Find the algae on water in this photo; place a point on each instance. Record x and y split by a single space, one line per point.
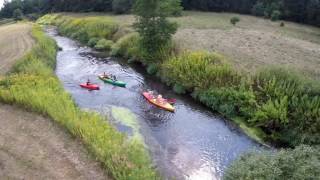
125 117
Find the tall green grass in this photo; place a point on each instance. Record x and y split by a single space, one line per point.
33 85
82 29
281 102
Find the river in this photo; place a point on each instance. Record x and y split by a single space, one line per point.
192 143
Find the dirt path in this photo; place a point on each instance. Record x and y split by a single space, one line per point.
33 147
15 40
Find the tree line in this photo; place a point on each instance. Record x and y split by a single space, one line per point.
303 11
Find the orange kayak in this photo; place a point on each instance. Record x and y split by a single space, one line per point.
165 105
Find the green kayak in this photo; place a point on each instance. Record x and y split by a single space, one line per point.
110 81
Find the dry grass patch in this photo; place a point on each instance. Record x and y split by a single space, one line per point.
15 41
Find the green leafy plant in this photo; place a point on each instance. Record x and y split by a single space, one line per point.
301 163
234 20
104 44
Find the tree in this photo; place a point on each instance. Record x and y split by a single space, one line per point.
153 27
173 7
17 14
234 20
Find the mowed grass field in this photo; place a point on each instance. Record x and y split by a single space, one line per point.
250 45
15 41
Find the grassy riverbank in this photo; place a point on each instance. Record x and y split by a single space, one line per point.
273 104
33 85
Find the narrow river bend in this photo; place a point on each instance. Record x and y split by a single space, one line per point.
191 143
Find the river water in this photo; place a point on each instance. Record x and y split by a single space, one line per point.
191 143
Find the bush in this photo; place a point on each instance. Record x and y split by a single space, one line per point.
234 20
229 101
152 69
179 89
121 6
290 105
298 164
17 14
92 41
282 24
103 44
127 46
199 70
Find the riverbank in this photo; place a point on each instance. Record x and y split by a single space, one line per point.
272 104
33 85
31 145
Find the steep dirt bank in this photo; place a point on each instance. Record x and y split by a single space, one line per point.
33 147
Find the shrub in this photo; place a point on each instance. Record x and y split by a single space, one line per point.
152 69
17 14
127 46
179 89
92 41
234 20
103 44
229 101
290 103
282 24
301 163
199 70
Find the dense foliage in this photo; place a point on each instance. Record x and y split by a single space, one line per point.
284 104
301 163
33 85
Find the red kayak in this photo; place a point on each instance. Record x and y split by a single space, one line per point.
90 86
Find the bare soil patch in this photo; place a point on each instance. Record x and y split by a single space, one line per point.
33 147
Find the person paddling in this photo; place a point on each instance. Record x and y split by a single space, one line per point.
88 82
160 100
105 75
